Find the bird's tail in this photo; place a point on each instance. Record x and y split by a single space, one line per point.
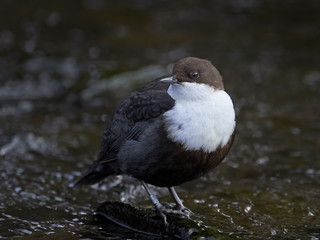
95 173
89 179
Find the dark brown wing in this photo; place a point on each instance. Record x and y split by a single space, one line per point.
130 120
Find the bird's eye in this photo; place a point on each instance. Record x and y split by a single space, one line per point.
194 75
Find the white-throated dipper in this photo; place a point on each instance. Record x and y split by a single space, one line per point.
171 130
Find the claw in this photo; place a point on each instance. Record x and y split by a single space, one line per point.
176 211
166 208
164 218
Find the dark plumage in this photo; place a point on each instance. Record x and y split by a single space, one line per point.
136 117
137 140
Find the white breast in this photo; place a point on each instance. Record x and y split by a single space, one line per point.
202 117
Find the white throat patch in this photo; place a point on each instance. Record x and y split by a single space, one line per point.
202 117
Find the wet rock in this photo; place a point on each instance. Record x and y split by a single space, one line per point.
144 223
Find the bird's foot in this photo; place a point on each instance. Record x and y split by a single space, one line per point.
172 210
175 210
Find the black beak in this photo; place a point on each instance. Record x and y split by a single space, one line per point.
170 80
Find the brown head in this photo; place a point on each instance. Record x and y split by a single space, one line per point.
192 69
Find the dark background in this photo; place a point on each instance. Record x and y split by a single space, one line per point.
66 65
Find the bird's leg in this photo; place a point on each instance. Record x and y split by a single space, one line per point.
177 200
155 202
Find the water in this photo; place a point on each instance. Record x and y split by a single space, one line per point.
65 67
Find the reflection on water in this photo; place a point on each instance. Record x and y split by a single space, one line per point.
64 68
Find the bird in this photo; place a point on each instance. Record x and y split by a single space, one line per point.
172 130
